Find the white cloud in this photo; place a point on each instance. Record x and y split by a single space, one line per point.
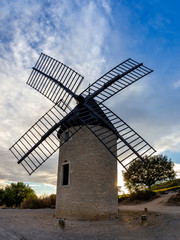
79 34
73 37
177 170
106 6
170 141
176 84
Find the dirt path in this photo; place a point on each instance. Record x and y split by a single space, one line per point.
157 205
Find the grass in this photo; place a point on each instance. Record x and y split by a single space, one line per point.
167 184
167 189
145 195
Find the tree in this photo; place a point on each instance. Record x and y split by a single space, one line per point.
1 196
143 175
16 193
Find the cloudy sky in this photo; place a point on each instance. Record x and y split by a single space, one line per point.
91 36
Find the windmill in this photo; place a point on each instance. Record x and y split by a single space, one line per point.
89 135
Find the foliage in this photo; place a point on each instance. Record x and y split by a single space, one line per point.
168 184
139 195
123 197
42 202
1 196
142 175
143 195
21 195
167 189
15 193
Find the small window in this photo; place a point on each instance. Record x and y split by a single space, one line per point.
65 174
67 136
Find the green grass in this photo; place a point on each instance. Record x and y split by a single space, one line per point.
147 195
167 184
123 196
167 189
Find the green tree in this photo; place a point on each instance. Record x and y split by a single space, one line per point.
1 196
16 193
143 175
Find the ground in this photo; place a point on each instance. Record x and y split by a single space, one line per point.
162 223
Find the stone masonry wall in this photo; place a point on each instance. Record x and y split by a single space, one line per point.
92 190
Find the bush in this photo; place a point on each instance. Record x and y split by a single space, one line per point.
14 194
123 197
1 196
42 202
137 196
143 195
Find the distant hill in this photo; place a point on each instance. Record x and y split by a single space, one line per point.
168 185
145 195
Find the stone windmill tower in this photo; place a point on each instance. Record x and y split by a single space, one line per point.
90 137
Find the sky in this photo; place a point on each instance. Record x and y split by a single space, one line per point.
90 36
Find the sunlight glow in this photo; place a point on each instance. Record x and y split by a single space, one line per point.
120 180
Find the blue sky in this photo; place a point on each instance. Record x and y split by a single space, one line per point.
91 37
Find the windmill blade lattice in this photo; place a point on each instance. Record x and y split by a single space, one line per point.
59 83
48 76
41 140
116 80
118 137
130 145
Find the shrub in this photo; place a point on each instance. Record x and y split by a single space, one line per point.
143 195
123 197
1 196
14 194
42 202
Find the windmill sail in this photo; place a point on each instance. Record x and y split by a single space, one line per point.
41 140
54 80
59 83
116 80
117 136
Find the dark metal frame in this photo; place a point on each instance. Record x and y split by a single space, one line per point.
54 80
41 140
59 83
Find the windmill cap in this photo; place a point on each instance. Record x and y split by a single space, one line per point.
88 118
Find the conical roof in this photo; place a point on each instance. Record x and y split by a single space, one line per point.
88 117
